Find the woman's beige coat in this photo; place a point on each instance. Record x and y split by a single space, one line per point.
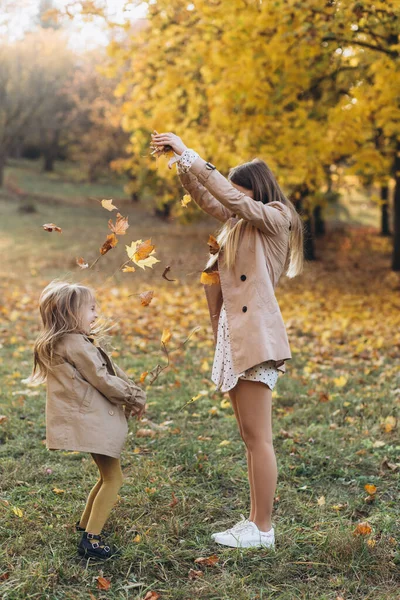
257 331
88 399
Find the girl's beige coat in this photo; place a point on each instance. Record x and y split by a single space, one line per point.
257 331
88 397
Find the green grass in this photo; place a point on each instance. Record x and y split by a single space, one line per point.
324 448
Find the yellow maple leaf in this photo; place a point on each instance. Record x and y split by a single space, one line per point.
340 381
134 252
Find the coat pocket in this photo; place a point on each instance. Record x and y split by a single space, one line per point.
265 299
86 401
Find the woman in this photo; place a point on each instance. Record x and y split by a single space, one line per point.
262 237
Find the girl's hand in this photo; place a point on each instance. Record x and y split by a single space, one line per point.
168 139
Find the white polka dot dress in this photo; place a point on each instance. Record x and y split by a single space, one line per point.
222 372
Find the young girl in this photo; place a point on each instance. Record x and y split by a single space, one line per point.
261 238
89 400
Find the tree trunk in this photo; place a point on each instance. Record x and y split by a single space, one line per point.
385 230
396 211
319 222
308 245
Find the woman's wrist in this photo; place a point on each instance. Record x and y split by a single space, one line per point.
186 159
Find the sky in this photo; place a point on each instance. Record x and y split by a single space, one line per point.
83 36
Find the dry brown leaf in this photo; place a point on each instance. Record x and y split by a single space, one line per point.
144 250
121 225
213 245
208 562
146 298
51 227
174 501
152 596
362 529
110 242
108 205
82 263
103 583
3 419
209 278
145 433
193 574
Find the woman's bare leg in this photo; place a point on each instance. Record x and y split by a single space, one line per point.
232 396
254 404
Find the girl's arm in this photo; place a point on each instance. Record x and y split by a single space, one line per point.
85 357
269 218
203 198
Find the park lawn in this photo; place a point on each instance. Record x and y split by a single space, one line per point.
335 426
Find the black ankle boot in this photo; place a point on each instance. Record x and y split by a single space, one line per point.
92 546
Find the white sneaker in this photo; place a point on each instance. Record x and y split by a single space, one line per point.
248 536
236 527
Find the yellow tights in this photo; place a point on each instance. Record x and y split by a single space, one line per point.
103 495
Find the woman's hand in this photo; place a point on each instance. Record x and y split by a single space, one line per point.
168 139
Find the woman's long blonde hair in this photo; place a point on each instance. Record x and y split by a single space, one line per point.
258 177
59 305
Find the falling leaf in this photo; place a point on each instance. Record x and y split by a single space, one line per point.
121 225
17 511
185 200
371 489
146 298
58 491
193 574
108 205
362 529
209 278
164 275
143 376
128 270
166 336
321 501
143 250
103 583
81 263
213 245
137 250
208 562
110 242
51 227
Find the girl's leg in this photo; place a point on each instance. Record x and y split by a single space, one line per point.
111 474
232 396
89 503
254 403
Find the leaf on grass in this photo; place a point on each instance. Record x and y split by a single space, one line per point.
209 278
193 574
224 443
137 538
103 583
58 491
340 381
213 245
321 501
108 205
152 596
3 419
362 529
51 227
174 501
166 336
185 200
128 270
121 225
371 489
17 511
208 562
145 433
389 424
110 242
81 263
146 298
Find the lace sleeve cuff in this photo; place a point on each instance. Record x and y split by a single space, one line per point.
186 159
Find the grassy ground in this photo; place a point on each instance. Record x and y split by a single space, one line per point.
335 426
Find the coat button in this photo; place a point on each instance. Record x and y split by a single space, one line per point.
111 412
243 277
244 309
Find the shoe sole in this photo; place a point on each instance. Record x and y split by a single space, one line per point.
249 544
87 555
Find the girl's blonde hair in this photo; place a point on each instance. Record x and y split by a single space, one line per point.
59 305
258 177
